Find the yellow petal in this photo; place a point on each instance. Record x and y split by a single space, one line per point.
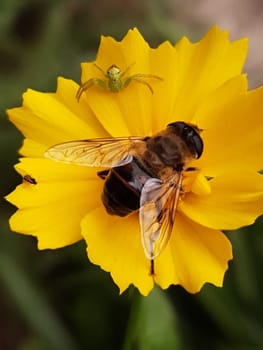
200 185
236 200
52 209
109 53
32 148
107 109
164 63
195 255
59 112
114 244
204 66
45 170
232 133
132 49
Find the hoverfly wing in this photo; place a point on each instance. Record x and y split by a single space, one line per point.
158 206
101 152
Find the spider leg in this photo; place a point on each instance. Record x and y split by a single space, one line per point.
141 75
101 70
89 83
127 69
139 79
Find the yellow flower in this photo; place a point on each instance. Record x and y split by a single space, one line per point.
202 84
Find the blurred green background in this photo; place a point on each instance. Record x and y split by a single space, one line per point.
57 299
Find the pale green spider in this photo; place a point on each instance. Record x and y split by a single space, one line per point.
116 80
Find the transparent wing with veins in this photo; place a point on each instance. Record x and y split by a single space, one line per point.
101 152
158 206
158 201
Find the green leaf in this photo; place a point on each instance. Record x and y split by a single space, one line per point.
152 324
34 306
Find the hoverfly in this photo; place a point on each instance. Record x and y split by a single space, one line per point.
116 80
143 173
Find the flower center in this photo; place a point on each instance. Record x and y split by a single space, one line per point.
196 182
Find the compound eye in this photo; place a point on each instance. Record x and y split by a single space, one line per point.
198 145
178 125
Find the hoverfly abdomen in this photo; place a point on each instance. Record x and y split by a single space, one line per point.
122 188
119 196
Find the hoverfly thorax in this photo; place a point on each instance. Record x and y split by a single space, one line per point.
173 147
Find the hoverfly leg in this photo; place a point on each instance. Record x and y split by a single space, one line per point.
152 271
191 168
103 174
